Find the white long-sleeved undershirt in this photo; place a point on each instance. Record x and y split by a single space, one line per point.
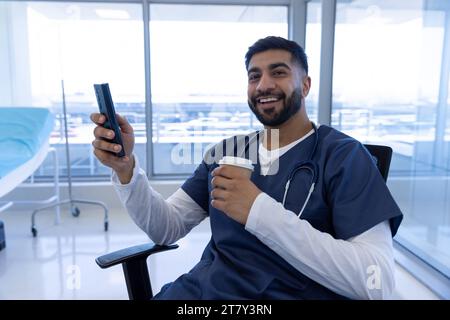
361 267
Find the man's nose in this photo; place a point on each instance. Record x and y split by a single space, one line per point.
265 83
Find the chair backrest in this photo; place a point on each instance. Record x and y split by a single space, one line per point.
383 156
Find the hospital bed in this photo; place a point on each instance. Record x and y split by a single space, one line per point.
24 145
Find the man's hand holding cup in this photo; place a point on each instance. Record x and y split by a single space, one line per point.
233 192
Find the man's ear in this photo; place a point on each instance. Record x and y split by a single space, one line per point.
306 85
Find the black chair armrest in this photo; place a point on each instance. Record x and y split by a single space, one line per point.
141 251
134 264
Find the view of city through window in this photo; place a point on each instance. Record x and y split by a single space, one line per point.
82 44
199 81
198 75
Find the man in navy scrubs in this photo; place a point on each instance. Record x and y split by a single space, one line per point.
269 241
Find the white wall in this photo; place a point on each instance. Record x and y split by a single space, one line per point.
15 80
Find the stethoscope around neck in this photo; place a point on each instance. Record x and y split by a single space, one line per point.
308 165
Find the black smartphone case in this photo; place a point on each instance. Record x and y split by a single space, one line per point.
106 107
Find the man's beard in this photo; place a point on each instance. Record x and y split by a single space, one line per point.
291 106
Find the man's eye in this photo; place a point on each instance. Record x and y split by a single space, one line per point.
278 73
253 77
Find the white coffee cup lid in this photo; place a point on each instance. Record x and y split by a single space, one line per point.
236 161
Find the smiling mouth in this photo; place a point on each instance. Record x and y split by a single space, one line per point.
267 99
267 104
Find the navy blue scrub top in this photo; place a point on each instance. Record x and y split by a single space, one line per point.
350 197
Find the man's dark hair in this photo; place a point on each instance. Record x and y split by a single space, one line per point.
271 42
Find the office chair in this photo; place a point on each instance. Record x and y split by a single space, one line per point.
134 259
382 156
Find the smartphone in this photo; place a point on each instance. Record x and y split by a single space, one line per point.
106 107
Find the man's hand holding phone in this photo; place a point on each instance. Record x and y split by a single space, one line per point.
105 150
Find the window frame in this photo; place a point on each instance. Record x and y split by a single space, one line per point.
296 14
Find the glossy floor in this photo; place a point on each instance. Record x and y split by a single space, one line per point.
60 262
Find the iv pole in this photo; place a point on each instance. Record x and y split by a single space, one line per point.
73 209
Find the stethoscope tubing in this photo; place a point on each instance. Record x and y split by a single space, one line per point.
307 165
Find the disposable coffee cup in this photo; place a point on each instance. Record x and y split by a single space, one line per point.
244 166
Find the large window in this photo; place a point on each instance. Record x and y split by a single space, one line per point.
199 81
198 78
42 43
390 86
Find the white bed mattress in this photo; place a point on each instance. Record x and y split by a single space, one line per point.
24 143
22 172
